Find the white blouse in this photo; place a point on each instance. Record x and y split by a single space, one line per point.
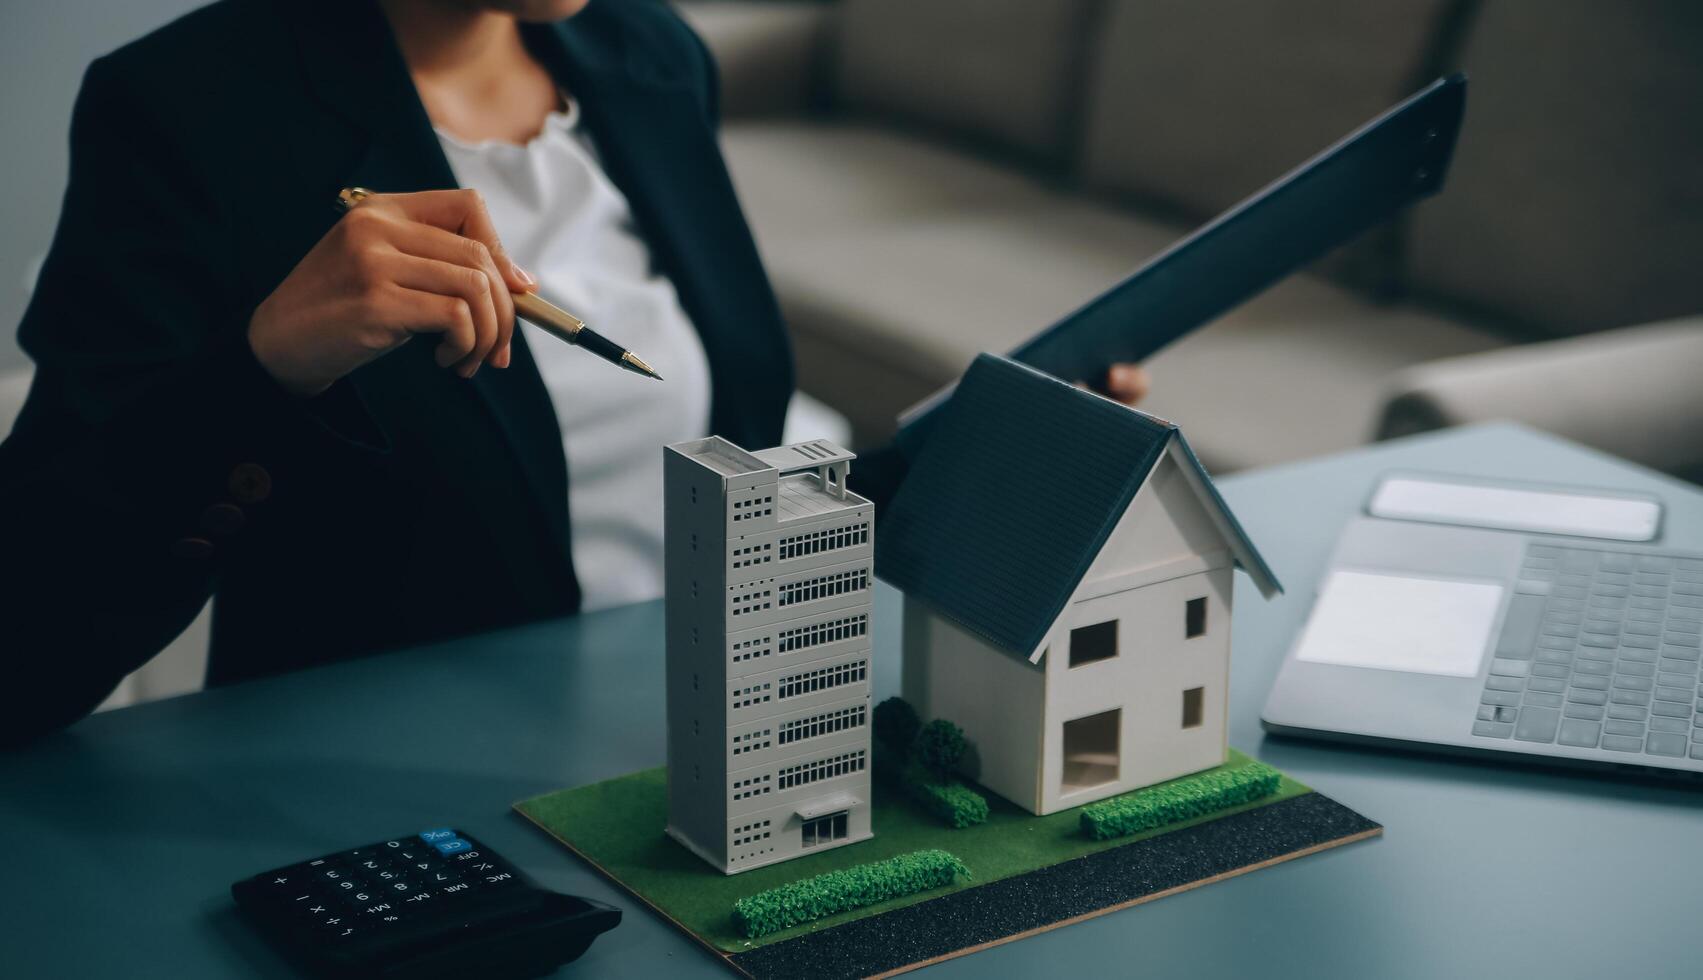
565 222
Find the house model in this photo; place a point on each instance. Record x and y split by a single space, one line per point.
769 574
1067 565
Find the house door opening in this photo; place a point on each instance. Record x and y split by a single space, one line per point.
1091 751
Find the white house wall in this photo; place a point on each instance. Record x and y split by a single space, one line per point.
1155 664
995 697
1164 551
1164 524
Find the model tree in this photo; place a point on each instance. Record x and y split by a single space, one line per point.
940 747
896 724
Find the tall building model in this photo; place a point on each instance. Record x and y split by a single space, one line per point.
770 573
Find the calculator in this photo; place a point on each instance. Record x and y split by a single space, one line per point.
437 903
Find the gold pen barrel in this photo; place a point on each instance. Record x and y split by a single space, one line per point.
549 316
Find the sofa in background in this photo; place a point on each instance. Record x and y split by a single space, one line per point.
932 178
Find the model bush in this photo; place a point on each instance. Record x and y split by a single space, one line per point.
918 759
939 746
896 724
1191 796
841 891
950 801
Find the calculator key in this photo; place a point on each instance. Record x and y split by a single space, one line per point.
452 846
440 834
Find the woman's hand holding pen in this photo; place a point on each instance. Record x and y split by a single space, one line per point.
395 266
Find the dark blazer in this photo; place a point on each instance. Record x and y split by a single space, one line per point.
155 462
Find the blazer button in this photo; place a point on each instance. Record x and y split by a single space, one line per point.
250 483
192 548
222 519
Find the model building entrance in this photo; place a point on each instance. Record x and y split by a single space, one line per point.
825 830
1091 751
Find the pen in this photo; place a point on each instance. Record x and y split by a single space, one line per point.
552 319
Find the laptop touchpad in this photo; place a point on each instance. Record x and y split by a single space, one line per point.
1393 622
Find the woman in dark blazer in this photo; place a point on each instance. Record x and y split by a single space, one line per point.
224 402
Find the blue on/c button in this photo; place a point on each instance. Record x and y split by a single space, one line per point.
433 836
448 847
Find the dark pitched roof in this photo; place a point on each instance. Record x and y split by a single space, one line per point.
1017 489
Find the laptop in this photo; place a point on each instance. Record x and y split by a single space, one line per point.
1506 620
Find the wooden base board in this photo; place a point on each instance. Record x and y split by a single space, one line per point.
1023 905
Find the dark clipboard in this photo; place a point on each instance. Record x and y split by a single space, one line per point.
1396 159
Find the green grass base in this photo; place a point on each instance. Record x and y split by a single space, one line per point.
617 825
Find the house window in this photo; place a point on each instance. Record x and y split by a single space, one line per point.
1194 700
825 830
1090 751
1091 643
1194 620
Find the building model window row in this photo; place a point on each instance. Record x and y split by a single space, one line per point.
821 679
824 586
818 542
814 772
816 634
823 724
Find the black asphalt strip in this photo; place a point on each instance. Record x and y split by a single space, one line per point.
990 912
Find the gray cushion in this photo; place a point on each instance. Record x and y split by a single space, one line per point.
1003 71
1576 199
1630 392
1201 103
887 302
804 177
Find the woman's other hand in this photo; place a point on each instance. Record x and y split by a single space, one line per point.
1127 383
394 266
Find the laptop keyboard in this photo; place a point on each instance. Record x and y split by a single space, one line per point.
1600 650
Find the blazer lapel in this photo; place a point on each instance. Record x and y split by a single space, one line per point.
353 63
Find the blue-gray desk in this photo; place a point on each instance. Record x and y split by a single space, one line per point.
122 835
